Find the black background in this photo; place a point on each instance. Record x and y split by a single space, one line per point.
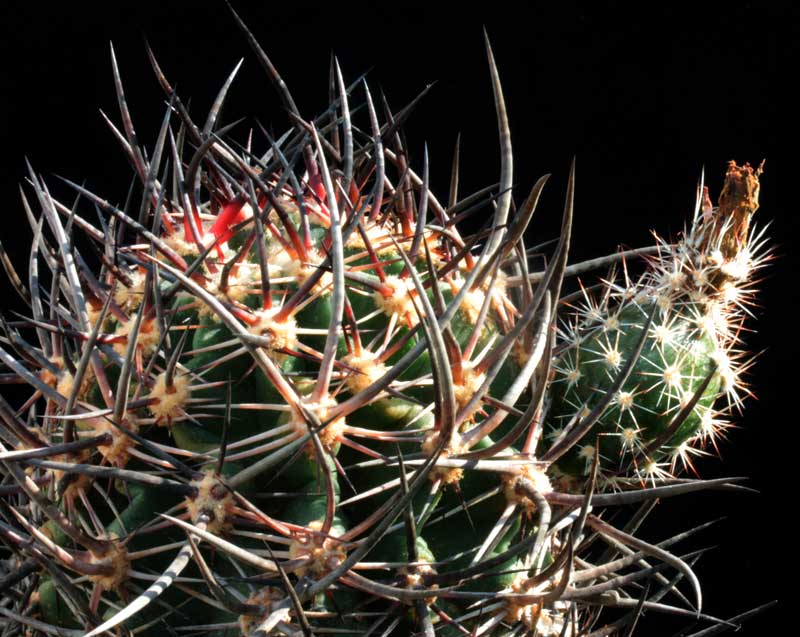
642 99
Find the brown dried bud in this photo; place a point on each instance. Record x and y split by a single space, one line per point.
738 201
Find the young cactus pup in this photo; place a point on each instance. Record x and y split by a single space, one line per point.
296 399
649 369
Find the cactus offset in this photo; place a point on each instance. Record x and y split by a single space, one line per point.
691 303
293 378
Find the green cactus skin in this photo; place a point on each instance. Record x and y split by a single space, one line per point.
309 405
675 361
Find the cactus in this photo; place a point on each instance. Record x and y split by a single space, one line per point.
649 371
294 399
